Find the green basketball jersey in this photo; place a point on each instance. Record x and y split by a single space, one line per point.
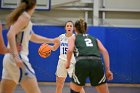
86 45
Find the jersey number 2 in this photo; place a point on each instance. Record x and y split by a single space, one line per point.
88 42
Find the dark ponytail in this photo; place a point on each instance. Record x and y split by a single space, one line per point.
30 4
25 5
26 1
81 26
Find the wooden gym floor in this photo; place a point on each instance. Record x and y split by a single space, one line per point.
114 88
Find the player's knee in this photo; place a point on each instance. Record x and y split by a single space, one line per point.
59 84
60 81
73 91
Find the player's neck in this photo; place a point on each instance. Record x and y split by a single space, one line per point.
30 12
68 34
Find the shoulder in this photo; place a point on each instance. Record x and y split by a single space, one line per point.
72 38
23 16
61 37
98 40
23 20
21 23
94 38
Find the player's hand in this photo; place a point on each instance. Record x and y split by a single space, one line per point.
67 65
19 47
18 61
109 75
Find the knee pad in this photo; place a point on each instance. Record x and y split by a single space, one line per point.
72 91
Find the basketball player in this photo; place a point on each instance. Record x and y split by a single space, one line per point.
16 66
88 60
61 72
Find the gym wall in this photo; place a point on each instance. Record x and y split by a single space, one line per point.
121 43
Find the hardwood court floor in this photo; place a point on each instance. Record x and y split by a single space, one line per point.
115 88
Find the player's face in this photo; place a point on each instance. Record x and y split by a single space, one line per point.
69 27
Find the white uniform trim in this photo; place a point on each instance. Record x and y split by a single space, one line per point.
102 79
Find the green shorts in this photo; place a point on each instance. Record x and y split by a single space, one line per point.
94 69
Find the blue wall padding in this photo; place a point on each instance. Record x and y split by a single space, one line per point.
122 44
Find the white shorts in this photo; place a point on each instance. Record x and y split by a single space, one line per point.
12 72
62 71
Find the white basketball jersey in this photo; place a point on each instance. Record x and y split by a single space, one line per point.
24 37
64 47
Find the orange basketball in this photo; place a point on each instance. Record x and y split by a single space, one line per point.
44 50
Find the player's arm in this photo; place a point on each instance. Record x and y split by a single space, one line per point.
3 48
40 39
14 30
71 45
56 44
105 54
17 27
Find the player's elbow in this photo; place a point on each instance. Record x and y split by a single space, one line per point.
9 35
104 52
3 50
69 51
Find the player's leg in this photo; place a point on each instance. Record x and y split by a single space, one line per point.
82 90
10 75
103 88
79 77
59 84
30 85
7 86
61 75
97 77
28 80
74 88
71 71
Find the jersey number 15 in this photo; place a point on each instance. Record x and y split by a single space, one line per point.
65 50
